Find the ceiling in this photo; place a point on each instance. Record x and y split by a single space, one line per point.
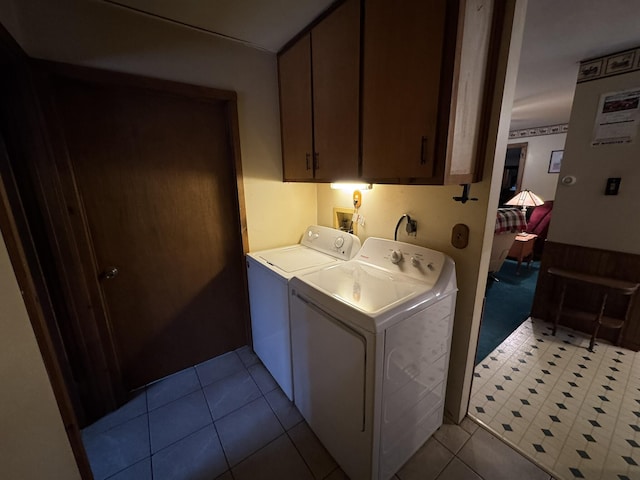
558 35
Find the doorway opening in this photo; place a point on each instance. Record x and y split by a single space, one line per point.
513 171
513 270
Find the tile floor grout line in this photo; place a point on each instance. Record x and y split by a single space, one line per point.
213 420
286 432
455 455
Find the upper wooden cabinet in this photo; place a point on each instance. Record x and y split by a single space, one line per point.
320 99
423 89
403 50
294 68
419 119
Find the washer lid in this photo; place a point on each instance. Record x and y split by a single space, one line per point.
296 258
365 287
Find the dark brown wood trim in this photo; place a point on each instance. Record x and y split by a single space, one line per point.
589 261
20 247
64 220
499 43
232 113
450 56
521 164
16 244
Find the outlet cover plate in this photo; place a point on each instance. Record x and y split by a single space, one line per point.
460 235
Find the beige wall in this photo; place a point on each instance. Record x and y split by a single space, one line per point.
102 35
536 176
33 442
582 214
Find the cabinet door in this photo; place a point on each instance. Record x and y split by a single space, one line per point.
294 69
335 47
403 44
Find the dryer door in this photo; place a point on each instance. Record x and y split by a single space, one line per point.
329 368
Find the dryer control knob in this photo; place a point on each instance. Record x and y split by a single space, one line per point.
396 256
415 262
338 242
431 267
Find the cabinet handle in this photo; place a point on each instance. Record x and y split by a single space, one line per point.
307 157
423 150
316 160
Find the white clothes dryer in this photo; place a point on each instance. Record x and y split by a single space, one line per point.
370 344
268 273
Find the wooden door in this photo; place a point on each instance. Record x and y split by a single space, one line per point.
335 54
403 44
513 171
155 177
296 114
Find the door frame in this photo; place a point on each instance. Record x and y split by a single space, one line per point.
31 281
68 224
523 158
56 193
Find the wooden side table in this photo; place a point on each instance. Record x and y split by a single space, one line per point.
606 286
522 248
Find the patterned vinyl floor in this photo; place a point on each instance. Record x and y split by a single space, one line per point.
575 413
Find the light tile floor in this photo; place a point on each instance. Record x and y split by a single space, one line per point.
574 412
227 419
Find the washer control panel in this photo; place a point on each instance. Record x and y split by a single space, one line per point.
334 242
413 260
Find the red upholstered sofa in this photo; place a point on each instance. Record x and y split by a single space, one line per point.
539 224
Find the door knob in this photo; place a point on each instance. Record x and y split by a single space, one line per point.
109 273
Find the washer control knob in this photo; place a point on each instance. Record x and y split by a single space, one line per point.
415 262
396 256
431 267
338 242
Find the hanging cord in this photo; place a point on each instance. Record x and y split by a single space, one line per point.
395 235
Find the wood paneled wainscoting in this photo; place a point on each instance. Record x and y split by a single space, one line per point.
592 261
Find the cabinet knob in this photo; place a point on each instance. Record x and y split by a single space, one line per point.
316 160
307 158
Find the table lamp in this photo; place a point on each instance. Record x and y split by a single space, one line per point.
524 199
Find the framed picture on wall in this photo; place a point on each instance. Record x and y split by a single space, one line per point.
556 161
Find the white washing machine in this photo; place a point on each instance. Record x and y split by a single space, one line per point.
268 273
370 343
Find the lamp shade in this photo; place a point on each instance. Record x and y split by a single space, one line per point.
526 198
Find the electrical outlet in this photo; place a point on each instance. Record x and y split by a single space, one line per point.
412 227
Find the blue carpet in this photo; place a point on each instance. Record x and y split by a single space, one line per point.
508 304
